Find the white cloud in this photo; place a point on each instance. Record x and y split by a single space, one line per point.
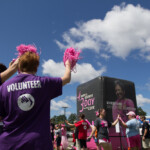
70 98
99 64
124 29
147 85
52 68
105 56
85 71
142 100
67 112
58 105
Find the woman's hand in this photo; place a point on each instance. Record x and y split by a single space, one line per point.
67 63
13 66
118 116
67 76
143 138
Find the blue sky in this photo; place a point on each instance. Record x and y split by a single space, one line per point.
114 37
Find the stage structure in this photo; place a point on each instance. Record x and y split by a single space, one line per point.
116 96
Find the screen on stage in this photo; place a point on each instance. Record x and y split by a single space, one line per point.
117 96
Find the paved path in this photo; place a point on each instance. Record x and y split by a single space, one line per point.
70 144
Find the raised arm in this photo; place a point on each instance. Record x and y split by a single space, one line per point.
72 125
67 76
10 71
123 123
116 121
93 131
145 132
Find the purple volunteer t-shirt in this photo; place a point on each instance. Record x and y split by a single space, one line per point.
0 80
25 108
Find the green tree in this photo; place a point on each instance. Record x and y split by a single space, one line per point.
141 112
58 119
72 118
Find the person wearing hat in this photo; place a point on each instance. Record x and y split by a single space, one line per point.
132 131
145 133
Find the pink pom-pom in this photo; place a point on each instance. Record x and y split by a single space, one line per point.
97 113
138 117
73 56
26 48
88 122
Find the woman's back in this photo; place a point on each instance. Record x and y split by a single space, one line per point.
25 108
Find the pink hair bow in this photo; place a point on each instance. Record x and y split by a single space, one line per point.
97 113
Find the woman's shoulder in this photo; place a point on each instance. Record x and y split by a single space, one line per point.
49 79
129 101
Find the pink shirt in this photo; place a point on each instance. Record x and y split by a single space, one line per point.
122 107
63 132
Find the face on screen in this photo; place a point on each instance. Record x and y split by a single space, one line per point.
119 92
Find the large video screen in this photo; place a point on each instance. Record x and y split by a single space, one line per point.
119 98
116 96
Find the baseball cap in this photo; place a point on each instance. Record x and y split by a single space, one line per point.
131 113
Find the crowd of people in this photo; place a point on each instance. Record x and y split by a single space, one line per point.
25 112
59 136
100 132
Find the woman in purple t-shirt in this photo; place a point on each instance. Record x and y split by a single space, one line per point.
25 106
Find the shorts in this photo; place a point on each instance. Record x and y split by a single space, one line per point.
104 140
134 141
82 143
58 141
96 140
146 143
